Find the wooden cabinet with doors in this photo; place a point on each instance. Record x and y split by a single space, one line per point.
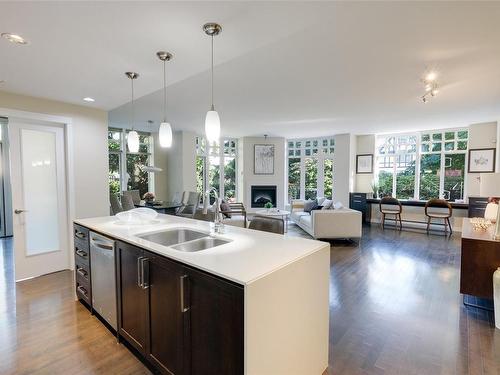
181 320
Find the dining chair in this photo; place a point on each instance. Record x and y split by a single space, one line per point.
391 206
439 209
127 202
268 224
190 202
116 206
134 194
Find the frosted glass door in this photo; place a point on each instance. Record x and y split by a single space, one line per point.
38 179
40 191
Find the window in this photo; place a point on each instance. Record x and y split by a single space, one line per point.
437 158
125 168
216 167
310 168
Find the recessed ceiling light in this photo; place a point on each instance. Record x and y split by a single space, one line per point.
89 99
431 76
14 38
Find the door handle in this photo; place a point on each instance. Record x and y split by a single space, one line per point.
183 305
17 211
145 272
139 272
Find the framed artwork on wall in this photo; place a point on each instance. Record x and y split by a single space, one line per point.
364 163
482 160
263 159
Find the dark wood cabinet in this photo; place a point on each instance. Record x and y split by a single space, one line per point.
132 298
181 320
477 206
82 264
358 202
215 335
166 349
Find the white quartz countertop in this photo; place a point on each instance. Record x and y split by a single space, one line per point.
249 256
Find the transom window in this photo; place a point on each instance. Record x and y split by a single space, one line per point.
209 174
310 168
437 158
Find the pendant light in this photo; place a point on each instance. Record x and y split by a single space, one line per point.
212 120
133 136
165 132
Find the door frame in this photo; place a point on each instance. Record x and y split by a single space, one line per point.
66 123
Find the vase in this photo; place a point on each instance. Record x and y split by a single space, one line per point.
496 296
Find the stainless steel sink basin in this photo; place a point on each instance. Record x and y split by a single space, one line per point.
171 237
200 244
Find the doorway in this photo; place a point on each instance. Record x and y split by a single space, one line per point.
38 192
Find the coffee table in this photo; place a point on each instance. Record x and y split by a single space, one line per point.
275 213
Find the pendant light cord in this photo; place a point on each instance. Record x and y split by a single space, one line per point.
133 107
164 92
212 72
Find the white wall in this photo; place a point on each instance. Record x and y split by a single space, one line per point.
343 167
483 135
248 177
181 159
90 127
365 145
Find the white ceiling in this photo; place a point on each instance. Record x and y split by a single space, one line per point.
289 69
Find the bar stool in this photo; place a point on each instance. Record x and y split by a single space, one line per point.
439 209
391 206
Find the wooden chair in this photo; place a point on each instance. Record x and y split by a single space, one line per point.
391 206
439 209
268 224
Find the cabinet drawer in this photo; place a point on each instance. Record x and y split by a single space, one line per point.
83 291
80 232
478 202
82 272
82 255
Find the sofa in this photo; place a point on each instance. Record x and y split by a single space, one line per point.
327 223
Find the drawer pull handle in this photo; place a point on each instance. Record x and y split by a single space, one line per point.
80 234
82 290
81 253
81 271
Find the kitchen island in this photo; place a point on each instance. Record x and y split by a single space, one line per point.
250 302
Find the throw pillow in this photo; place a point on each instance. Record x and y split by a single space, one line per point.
225 207
320 200
338 206
309 205
327 204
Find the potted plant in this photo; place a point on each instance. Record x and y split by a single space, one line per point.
268 206
149 197
375 188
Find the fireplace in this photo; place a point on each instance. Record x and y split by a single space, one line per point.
262 195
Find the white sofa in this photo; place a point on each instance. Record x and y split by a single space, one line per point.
327 224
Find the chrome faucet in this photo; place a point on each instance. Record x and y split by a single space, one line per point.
218 224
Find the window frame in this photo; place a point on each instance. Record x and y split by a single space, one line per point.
418 157
204 150
303 148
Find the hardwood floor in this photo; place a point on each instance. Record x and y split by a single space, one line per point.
394 308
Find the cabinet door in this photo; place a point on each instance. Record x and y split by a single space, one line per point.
165 317
214 324
132 297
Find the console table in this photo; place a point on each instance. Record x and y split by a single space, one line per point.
480 258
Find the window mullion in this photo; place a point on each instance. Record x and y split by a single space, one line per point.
417 169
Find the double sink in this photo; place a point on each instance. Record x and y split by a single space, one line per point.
183 239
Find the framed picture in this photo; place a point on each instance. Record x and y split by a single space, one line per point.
364 163
263 159
482 160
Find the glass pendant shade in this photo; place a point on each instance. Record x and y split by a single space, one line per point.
212 126
133 141
165 134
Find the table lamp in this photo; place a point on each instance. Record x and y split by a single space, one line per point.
490 187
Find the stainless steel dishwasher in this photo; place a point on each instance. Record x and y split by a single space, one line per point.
102 269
